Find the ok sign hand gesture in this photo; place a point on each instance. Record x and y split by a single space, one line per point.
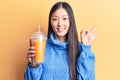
87 37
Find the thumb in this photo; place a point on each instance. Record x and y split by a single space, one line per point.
31 42
83 32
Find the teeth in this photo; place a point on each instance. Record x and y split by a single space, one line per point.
60 29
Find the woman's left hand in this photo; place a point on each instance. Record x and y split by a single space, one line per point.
87 37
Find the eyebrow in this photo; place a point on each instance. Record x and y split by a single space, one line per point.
62 16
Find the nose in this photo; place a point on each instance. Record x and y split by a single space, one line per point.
60 22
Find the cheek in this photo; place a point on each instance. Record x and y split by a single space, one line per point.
67 24
53 24
67 29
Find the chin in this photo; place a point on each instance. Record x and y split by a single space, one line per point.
61 34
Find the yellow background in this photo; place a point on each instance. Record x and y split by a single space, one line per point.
19 20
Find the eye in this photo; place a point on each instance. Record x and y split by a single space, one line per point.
65 18
54 19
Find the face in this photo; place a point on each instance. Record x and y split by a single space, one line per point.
60 22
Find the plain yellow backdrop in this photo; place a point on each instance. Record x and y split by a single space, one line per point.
19 20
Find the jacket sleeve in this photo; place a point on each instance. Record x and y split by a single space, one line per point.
85 63
33 73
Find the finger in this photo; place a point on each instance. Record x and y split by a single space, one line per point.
83 32
29 55
31 49
31 52
33 60
29 60
93 38
90 42
94 33
93 29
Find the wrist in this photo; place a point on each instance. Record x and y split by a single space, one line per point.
85 47
35 65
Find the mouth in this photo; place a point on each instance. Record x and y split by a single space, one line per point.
60 29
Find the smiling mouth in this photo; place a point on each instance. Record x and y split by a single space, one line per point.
60 29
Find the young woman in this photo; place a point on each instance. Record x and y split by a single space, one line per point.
65 58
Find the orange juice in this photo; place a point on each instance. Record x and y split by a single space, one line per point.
40 50
39 42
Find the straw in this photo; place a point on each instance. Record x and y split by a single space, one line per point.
39 28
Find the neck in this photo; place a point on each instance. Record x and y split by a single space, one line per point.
60 38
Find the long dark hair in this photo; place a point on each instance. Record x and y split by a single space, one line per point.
71 37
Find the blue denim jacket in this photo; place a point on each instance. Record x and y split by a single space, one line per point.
55 66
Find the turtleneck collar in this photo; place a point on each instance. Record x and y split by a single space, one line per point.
56 43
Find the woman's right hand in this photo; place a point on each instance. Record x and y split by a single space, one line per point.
31 56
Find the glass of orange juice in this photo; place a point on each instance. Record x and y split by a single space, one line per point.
39 42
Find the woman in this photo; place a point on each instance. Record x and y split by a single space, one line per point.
65 57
